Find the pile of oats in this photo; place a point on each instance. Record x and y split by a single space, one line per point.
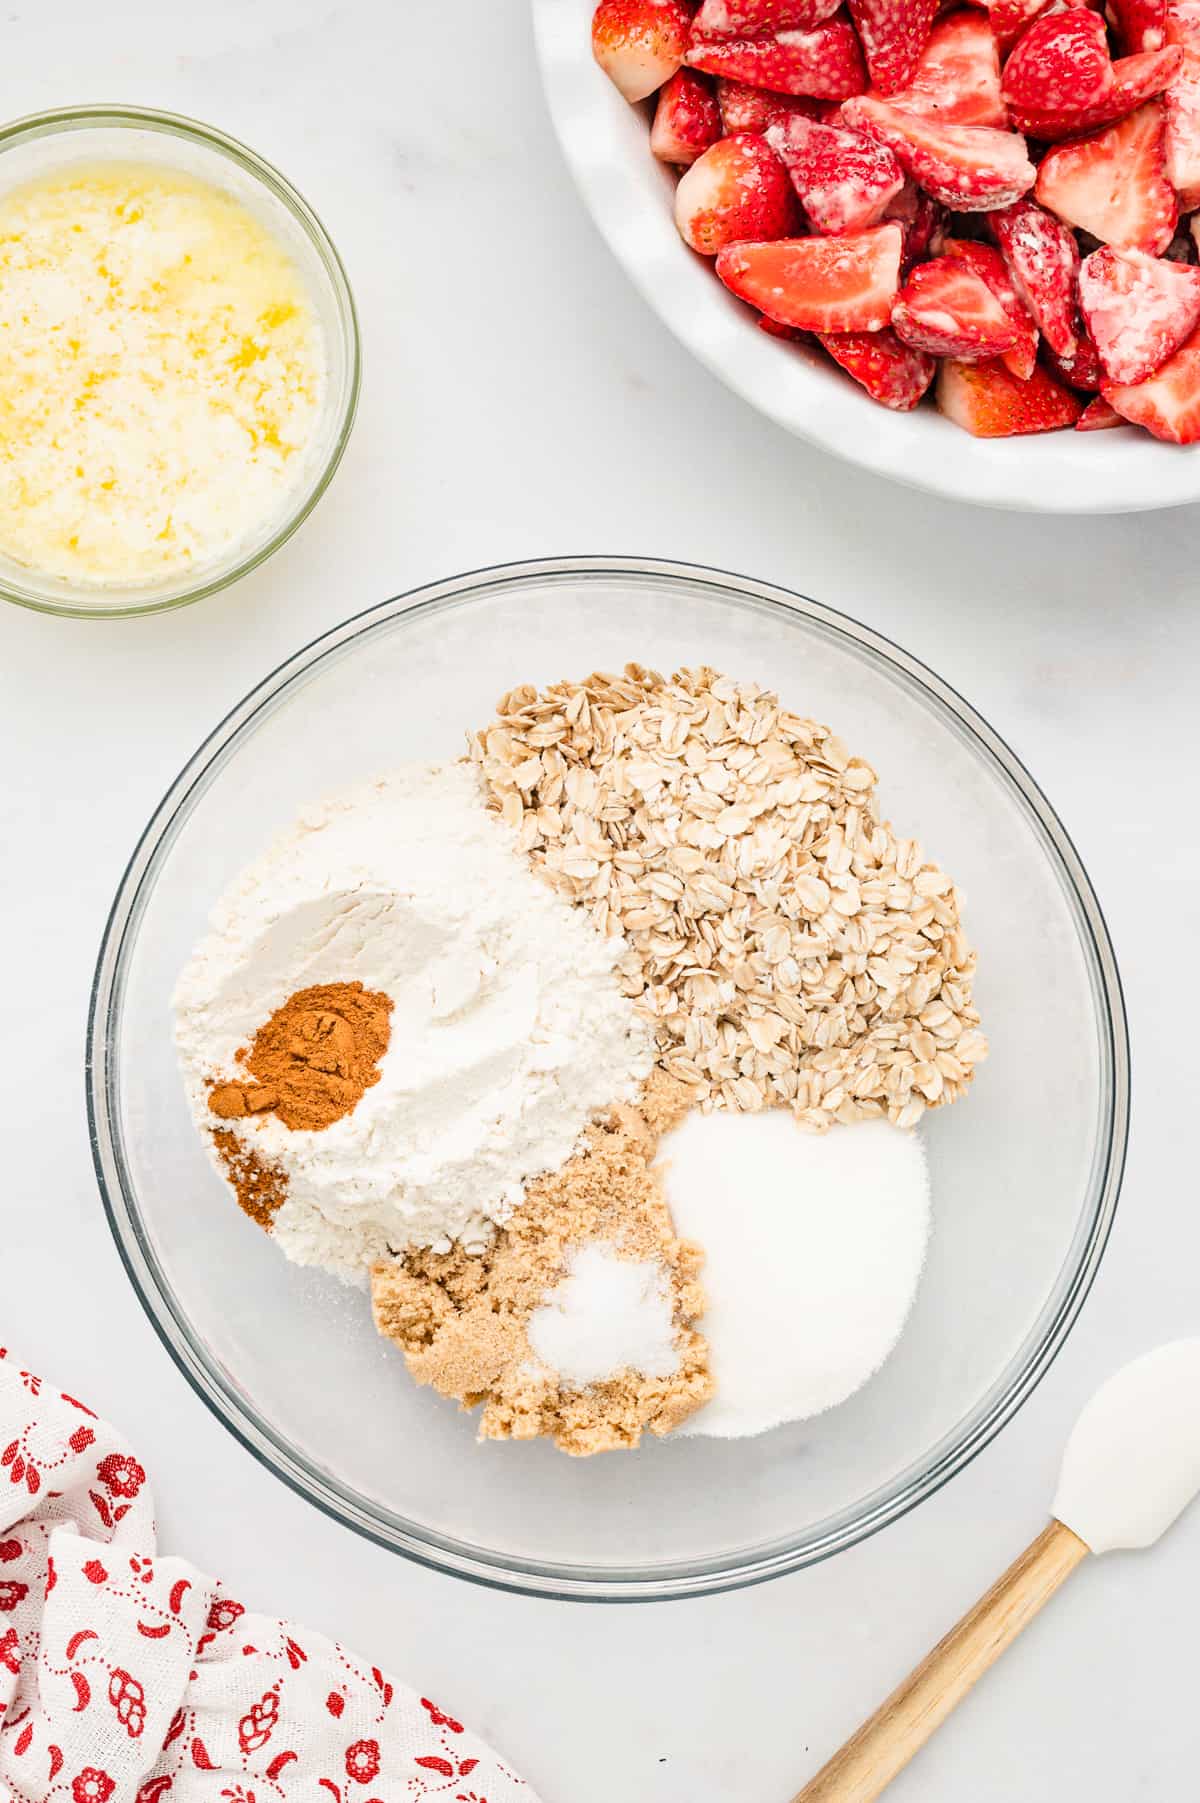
788 948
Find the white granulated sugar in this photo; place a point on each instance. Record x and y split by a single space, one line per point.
609 1314
814 1245
508 1031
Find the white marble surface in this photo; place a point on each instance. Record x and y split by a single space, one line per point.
519 401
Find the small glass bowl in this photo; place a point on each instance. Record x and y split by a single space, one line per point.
46 142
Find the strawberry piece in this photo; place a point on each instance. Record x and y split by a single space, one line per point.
753 109
819 284
825 62
1009 18
1168 404
1081 367
1043 260
1060 67
1139 310
687 119
1140 24
969 168
1113 184
947 310
1182 103
923 221
988 402
958 77
990 267
892 373
845 180
759 18
640 43
1097 416
737 190
1136 79
893 33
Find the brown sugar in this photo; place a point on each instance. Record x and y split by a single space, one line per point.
312 1060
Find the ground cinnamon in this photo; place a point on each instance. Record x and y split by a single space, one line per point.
312 1060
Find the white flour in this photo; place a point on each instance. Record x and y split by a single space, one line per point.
509 1031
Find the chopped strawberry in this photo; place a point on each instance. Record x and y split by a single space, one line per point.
923 221
1113 184
987 401
893 33
1182 102
819 284
845 180
969 168
1168 404
687 119
1097 416
1081 368
947 310
760 18
892 373
990 267
640 43
1043 260
825 62
752 109
1059 69
1136 79
737 190
1140 24
1009 18
1139 310
958 77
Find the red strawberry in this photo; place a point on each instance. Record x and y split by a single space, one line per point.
1140 24
893 33
958 77
1168 404
753 109
819 284
760 18
892 373
1097 416
1139 310
987 401
845 181
1081 368
1061 66
969 168
825 62
923 221
1113 184
1136 79
1043 260
947 310
640 43
687 119
990 267
1182 101
737 190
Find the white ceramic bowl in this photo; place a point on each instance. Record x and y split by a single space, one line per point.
630 196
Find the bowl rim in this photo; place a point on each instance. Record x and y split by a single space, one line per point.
57 121
907 1488
1064 472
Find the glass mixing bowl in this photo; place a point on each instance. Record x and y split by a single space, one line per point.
1025 1172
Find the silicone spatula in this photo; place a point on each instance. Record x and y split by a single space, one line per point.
1131 1467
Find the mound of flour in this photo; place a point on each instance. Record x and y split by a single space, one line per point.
509 1029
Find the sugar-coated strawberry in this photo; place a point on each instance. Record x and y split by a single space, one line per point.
1113 184
1043 260
744 108
1168 403
987 263
845 180
1060 68
893 33
825 62
819 284
946 310
737 190
759 18
1098 416
923 221
687 119
640 43
1136 79
1009 18
1182 103
892 373
1080 368
958 77
1140 24
986 400
969 168
1139 310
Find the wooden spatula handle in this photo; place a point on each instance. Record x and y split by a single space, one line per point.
884 1745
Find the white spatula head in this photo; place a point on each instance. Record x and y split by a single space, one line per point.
1132 1464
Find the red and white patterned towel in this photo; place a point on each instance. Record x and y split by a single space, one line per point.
127 1676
